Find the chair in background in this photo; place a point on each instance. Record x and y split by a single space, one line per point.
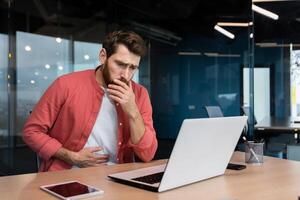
276 149
214 111
293 152
246 111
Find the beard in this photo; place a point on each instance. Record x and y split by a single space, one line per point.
106 74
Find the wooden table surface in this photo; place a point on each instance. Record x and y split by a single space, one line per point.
275 179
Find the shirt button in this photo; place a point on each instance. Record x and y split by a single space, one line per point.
120 124
119 143
117 104
118 159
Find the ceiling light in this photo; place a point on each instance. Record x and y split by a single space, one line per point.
36 73
60 68
222 55
183 53
27 48
251 35
264 12
266 44
274 44
269 0
47 66
86 57
223 31
32 81
58 40
237 24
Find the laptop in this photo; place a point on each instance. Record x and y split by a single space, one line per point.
202 150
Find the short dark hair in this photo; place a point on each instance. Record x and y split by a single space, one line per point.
130 39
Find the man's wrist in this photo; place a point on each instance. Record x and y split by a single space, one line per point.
72 156
66 155
134 114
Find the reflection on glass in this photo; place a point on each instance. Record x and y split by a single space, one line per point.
3 90
186 83
295 82
86 55
37 69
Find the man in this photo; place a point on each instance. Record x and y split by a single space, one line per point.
92 111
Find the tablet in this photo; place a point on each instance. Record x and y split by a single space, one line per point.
71 190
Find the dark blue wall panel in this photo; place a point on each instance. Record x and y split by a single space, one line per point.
182 85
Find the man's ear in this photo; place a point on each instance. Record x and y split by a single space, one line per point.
102 56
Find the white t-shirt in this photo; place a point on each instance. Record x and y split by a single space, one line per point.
104 132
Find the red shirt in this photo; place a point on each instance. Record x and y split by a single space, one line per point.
65 116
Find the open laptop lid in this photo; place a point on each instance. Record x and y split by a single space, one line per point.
202 150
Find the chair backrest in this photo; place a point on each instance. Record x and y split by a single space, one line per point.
246 110
214 111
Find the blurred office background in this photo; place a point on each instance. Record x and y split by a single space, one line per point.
190 64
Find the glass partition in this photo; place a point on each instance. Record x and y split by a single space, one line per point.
186 81
276 67
3 90
86 55
40 60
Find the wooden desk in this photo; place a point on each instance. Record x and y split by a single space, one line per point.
275 179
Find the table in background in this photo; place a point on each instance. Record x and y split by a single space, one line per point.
273 125
275 179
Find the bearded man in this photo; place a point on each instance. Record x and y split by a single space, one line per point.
96 116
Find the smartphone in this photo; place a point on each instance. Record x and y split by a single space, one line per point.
235 166
71 190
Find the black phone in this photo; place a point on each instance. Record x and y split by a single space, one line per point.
236 166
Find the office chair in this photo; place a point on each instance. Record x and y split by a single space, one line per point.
214 111
246 111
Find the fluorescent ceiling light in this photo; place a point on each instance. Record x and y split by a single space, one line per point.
222 55
274 44
264 12
237 24
223 31
184 53
270 0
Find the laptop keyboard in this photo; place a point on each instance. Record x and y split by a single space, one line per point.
151 179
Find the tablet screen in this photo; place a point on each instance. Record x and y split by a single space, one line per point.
71 189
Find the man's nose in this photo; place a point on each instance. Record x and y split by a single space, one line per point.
126 73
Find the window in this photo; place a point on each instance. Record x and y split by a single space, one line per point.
3 90
86 55
40 60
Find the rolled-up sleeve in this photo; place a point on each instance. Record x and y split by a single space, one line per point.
36 128
147 145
